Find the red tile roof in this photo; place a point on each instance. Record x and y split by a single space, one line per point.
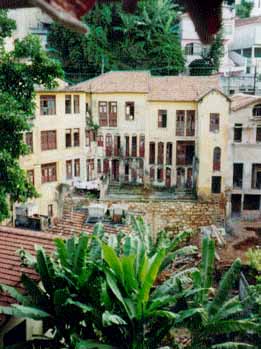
241 100
246 21
164 88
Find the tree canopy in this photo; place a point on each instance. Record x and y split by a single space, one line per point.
243 9
147 40
20 70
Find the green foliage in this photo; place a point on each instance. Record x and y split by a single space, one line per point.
20 70
243 9
147 40
254 257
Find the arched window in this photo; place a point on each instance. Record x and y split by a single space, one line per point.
216 159
257 110
108 144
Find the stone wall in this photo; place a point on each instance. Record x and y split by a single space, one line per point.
174 215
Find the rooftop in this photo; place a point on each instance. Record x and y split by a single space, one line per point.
164 88
241 100
246 21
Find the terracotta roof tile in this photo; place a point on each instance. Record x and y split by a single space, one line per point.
241 100
167 88
246 21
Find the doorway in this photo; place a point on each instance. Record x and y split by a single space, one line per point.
115 168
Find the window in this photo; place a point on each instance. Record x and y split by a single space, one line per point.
247 52
160 153
142 146
134 146
113 114
100 140
214 123
69 169
256 176
50 210
258 134
47 105
76 104
48 140
257 52
190 124
180 122
68 104
127 146
129 110
49 173
68 138
152 153
257 110
216 159
251 202
185 152
162 118
169 154
160 175
126 171
117 145
103 114
29 141
76 137
152 174
30 176
77 168
216 185
99 168
189 49
87 138
238 128
238 175
106 166
108 145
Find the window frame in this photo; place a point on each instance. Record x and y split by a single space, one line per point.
48 99
49 178
128 115
162 118
48 140
214 122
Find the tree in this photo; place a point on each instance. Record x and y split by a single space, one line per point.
243 10
146 40
210 62
20 70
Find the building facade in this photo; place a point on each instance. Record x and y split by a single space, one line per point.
244 155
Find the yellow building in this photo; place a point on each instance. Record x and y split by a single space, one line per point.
161 131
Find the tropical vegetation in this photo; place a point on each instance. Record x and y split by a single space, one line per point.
104 291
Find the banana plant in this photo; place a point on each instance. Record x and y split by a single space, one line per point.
212 315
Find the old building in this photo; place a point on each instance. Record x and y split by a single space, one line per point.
244 154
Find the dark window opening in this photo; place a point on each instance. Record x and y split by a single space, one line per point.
169 154
134 146
258 134
117 145
238 129
160 175
76 137
185 152
214 122
129 110
106 166
15 335
127 146
257 110
108 145
68 138
251 202
152 153
68 104
152 174
238 175
236 204
142 146
217 159
47 105
99 168
180 123
162 118
160 153
190 124
216 185
256 176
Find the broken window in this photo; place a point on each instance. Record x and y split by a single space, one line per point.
190 124
48 105
106 166
160 174
68 104
134 146
216 185
238 175
129 110
77 168
76 104
76 137
48 140
238 128
256 176
113 114
251 202
127 145
169 154
29 141
49 173
142 146
180 123
258 134
152 174
214 122
152 153
100 140
162 118
117 145
69 169
185 152
257 110
108 145
216 159
160 153
103 114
